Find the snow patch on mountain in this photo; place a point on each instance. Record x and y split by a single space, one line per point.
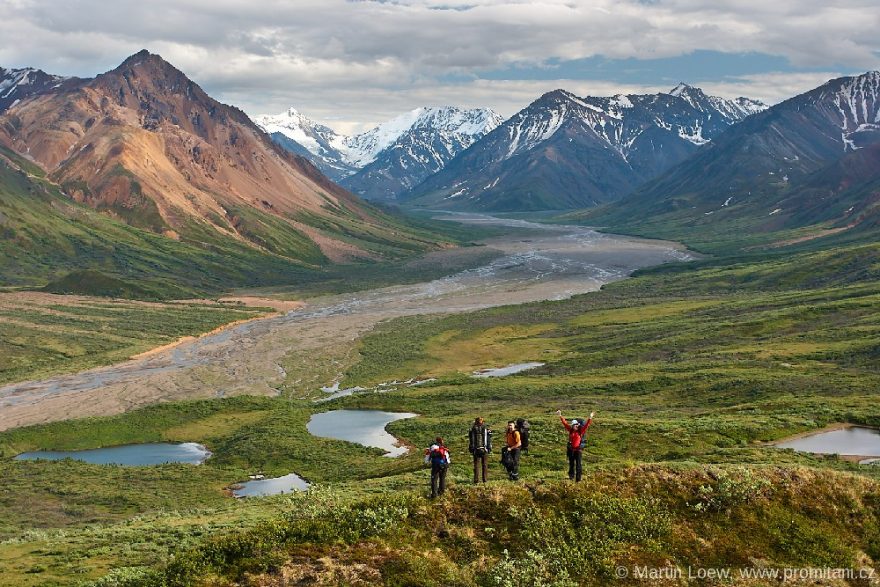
17 84
456 125
857 103
611 119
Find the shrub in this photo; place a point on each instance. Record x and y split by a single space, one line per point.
741 487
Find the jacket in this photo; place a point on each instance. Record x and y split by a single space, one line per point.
575 436
514 441
438 455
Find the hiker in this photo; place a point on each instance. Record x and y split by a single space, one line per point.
523 427
480 445
576 440
510 456
438 457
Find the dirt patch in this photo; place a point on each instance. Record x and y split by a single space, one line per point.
255 302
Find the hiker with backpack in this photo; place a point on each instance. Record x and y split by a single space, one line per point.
437 455
480 445
510 453
577 433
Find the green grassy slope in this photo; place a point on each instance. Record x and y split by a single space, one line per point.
42 337
691 369
44 236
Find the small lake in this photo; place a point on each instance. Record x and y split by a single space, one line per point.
366 427
852 441
274 486
505 371
129 455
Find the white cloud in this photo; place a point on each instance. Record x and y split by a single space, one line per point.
361 61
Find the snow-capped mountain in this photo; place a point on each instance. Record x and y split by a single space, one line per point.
810 159
731 110
853 104
390 158
426 144
563 151
320 144
18 84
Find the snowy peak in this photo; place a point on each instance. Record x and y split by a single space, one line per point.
853 104
298 127
619 120
732 110
402 152
471 122
389 158
680 89
463 125
564 151
18 84
362 149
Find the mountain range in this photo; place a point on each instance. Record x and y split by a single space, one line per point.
813 159
564 152
149 148
139 172
389 159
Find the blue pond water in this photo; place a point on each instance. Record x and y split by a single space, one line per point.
274 486
130 455
854 441
365 427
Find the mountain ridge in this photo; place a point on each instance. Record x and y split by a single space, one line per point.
563 151
147 146
393 156
810 160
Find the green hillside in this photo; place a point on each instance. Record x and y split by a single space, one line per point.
44 236
691 369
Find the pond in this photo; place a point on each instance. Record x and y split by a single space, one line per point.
366 427
853 441
129 455
508 370
277 485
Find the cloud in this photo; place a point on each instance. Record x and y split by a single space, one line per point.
357 60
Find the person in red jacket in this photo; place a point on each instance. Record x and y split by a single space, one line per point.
576 433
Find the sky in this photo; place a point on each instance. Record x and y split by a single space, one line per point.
353 63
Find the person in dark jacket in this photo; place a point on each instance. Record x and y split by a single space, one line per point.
438 456
480 445
576 434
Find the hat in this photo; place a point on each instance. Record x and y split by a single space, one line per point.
575 422
434 447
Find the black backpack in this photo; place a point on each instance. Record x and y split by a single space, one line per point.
479 439
523 427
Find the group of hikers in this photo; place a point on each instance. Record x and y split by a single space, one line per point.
516 442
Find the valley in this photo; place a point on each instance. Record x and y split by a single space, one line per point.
198 312
691 367
267 357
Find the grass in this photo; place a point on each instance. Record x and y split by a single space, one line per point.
45 237
43 335
690 368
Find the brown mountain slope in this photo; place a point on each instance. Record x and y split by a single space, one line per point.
149 146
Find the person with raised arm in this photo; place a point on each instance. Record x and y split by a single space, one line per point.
577 433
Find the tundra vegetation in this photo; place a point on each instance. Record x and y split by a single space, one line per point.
691 368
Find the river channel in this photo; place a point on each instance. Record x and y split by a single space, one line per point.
547 262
